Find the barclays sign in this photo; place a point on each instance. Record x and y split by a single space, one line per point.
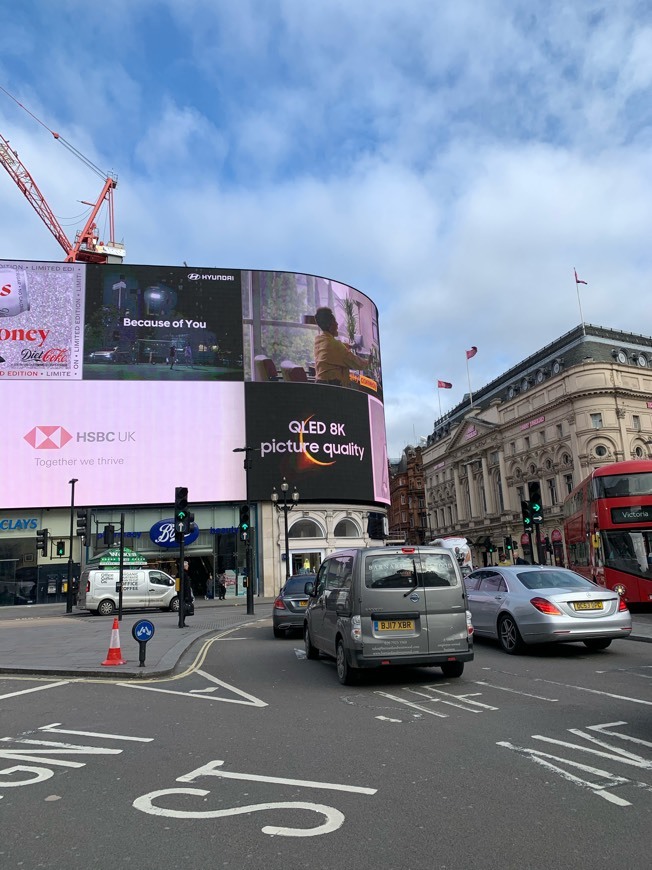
162 534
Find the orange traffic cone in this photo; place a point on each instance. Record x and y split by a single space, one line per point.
114 655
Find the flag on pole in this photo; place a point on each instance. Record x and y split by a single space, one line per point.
471 353
578 280
444 385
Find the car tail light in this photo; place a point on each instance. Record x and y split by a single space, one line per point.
469 624
88 586
279 604
356 628
622 605
545 606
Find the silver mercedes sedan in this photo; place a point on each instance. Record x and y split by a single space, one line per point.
528 604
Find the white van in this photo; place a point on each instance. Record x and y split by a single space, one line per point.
142 587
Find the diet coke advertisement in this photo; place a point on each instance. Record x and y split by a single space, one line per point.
41 320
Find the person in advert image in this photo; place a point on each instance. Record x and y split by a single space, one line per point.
172 355
333 360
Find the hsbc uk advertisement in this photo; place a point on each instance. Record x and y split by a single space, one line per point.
134 379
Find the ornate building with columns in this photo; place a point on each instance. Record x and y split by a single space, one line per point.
580 402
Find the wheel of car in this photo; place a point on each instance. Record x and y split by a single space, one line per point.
174 605
509 635
345 673
106 607
598 643
278 632
452 669
311 651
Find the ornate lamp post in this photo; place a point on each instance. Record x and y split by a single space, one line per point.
286 507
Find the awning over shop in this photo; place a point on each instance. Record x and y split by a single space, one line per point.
111 559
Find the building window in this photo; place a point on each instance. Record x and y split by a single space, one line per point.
601 450
403 498
305 529
512 447
568 482
520 493
636 422
552 490
526 441
596 421
450 515
346 529
638 453
499 493
560 430
493 457
403 516
542 436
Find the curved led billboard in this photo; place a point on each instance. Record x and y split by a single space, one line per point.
132 380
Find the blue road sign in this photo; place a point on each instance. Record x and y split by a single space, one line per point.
143 631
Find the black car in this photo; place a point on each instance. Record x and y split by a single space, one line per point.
290 604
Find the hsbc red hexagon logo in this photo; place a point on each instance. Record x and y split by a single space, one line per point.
47 437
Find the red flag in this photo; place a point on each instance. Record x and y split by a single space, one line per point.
577 280
471 353
444 385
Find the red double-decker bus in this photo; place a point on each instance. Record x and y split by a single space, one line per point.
608 528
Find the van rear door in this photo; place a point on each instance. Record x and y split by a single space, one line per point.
445 602
393 608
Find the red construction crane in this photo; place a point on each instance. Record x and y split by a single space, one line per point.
87 247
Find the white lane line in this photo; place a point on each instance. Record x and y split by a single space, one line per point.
209 770
595 692
602 729
616 755
419 707
35 689
464 699
515 691
53 729
244 697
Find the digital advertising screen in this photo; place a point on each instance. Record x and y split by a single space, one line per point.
317 437
134 379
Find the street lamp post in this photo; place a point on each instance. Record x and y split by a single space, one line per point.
72 523
286 507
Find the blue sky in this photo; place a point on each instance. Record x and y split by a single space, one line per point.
452 159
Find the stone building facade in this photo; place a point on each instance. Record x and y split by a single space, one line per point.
580 402
407 517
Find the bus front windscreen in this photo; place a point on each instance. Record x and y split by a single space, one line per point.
623 485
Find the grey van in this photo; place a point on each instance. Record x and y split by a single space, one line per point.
387 606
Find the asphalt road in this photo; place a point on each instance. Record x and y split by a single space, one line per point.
252 756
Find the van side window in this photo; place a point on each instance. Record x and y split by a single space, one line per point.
159 578
320 585
340 573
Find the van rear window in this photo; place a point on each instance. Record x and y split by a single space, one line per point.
404 570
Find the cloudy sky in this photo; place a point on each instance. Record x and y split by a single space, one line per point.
452 159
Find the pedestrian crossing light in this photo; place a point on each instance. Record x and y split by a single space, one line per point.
61 548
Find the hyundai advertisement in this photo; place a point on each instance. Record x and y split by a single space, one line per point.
135 379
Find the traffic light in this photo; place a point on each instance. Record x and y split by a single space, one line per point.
188 523
509 546
42 541
61 548
109 535
535 501
245 523
180 512
526 509
376 526
84 524
490 547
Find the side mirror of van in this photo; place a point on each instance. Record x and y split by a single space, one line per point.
309 588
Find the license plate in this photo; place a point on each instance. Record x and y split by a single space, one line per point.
588 605
394 625
303 603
